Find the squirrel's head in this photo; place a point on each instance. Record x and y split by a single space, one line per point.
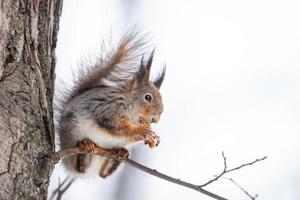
146 101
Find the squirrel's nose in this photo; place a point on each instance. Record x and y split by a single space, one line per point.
155 119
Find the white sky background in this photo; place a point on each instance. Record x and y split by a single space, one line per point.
232 84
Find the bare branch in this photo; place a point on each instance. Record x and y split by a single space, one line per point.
225 171
112 154
245 191
108 153
76 150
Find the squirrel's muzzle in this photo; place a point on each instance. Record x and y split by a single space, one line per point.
155 119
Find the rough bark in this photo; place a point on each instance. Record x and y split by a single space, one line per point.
28 30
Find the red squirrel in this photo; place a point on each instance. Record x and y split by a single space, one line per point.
111 106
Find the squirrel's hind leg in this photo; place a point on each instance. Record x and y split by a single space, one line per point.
81 162
108 167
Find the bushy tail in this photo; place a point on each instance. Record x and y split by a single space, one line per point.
115 66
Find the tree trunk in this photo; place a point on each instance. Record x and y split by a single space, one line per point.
28 30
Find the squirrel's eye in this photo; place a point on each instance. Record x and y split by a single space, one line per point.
148 98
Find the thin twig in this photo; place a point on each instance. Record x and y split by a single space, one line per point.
225 171
61 189
245 191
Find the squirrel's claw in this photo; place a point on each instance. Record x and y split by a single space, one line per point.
87 145
151 139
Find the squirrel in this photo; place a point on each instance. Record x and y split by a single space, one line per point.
111 106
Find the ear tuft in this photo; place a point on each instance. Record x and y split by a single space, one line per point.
143 73
160 78
149 62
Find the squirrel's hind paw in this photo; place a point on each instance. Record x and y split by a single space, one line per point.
122 153
87 145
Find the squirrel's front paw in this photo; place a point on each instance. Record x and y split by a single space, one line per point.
151 139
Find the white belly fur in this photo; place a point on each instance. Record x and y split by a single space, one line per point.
89 129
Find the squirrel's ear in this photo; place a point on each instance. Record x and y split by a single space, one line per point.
143 73
160 78
132 84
